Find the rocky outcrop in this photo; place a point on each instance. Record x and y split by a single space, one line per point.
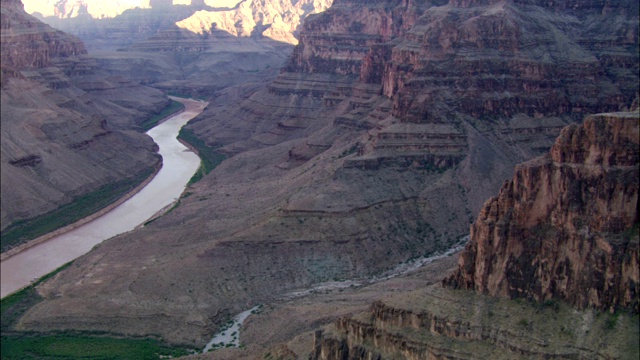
278 20
122 24
566 226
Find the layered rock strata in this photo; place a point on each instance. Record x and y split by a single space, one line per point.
566 226
29 44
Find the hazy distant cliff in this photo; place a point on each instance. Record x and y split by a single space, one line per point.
566 226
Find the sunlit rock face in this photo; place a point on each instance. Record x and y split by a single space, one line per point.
278 20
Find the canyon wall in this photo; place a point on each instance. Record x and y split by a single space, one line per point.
190 48
566 226
30 44
109 23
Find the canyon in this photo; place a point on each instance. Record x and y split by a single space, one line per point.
376 142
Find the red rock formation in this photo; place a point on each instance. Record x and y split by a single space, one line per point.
494 59
566 226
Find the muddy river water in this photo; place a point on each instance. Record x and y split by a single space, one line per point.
179 164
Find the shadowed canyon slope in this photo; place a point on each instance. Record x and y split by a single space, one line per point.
390 125
67 128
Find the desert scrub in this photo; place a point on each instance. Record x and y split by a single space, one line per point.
209 157
82 206
172 108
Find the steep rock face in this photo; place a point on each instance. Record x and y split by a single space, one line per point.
566 225
194 48
278 20
336 41
67 128
498 59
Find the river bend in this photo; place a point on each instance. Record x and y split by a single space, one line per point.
178 165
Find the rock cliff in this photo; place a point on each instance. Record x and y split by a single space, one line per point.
566 226
110 23
196 48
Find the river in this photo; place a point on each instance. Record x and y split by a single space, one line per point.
178 165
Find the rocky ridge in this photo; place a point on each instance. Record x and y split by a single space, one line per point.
277 20
176 48
42 42
118 23
439 323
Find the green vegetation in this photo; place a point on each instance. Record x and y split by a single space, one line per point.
180 95
85 205
209 157
611 321
68 345
65 346
15 305
172 108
